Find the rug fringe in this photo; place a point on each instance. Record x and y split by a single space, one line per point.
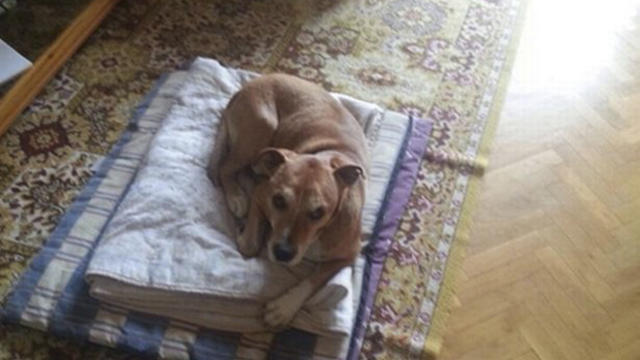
446 297
291 32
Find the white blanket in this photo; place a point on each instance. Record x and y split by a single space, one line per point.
167 250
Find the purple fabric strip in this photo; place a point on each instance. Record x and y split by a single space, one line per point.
394 207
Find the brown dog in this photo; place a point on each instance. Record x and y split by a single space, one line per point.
309 156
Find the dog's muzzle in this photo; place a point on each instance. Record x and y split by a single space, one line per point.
283 252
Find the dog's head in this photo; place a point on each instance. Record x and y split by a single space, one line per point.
299 197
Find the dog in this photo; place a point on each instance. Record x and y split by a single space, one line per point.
305 157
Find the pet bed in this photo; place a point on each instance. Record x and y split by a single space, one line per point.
52 294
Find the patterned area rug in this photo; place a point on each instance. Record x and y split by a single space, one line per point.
441 60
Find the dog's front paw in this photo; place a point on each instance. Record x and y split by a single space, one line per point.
279 312
238 204
247 246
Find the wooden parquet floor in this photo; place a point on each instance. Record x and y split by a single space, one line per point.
553 267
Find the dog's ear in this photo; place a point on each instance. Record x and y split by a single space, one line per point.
268 161
345 171
348 174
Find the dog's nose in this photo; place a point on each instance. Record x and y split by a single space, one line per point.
283 252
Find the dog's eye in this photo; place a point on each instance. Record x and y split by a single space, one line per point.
316 214
279 202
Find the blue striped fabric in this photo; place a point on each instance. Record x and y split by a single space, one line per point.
292 344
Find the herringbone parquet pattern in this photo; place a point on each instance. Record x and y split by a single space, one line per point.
553 268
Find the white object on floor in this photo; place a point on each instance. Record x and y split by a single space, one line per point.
167 250
11 63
